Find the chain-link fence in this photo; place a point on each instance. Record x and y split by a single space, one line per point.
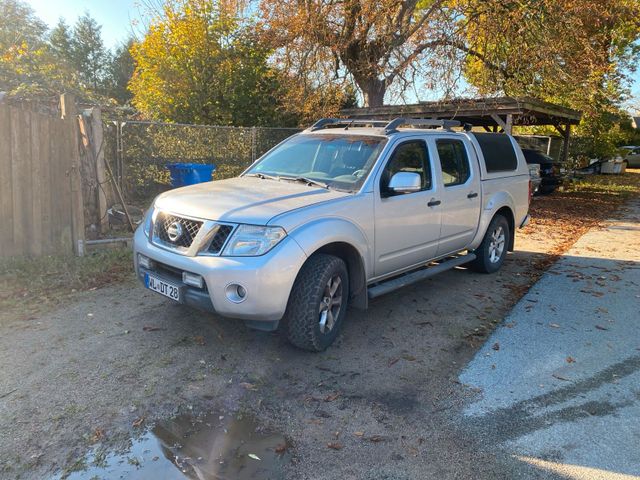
139 151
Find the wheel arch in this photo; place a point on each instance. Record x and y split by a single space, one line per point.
507 213
355 267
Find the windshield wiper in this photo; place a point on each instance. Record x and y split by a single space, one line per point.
307 181
262 176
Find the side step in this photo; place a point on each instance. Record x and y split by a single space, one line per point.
395 283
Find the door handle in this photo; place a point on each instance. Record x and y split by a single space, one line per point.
472 195
433 203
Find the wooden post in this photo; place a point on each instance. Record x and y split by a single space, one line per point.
70 114
101 174
509 124
505 125
566 135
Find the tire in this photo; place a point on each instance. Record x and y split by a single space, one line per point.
546 190
313 318
490 255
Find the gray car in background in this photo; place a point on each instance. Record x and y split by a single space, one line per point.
631 155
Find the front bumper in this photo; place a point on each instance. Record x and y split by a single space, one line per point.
268 279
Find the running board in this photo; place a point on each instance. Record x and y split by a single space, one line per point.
417 275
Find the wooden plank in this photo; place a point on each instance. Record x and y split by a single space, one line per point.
7 247
21 177
35 239
45 184
63 166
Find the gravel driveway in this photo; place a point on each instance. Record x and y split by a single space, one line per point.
384 402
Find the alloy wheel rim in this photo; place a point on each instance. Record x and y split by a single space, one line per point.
496 245
330 304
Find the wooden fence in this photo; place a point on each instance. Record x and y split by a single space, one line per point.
41 205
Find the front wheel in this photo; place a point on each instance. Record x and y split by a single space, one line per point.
492 251
318 303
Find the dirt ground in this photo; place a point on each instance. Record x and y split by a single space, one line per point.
103 366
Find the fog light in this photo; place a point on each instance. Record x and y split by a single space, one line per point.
193 279
235 293
145 262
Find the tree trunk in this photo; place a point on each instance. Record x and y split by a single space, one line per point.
373 90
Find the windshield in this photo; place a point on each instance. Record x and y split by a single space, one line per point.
339 161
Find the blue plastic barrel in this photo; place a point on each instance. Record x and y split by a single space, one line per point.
183 174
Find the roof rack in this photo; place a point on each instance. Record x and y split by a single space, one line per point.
393 125
325 122
389 127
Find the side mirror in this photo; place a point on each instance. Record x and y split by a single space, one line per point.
405 182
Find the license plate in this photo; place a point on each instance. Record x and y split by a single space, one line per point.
163 288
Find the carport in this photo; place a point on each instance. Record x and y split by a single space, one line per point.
499 114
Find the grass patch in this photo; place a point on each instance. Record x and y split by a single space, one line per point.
31 285
625 186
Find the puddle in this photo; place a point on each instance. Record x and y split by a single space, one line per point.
203 448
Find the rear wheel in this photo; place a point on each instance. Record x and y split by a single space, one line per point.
318 303
492 251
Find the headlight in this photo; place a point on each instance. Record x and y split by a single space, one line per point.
253 240
148 221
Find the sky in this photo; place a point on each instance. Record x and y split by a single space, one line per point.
121 18
115 16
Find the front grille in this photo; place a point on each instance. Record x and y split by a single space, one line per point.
220 238
176 231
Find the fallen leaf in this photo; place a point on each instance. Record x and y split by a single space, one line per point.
554 325
331 397
281 448
409 358
98 434
359 434
420 324
600 327
393 361
496 346
570 360
376 438
248 386
560 377
199 339
138 422
254 456
148 328
335 445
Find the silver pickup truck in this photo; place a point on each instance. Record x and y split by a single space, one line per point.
342 212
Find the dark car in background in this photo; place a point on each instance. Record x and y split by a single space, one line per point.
552 172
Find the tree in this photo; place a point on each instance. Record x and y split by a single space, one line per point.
375 42
577 53
89 55
26 64
197 63
120 72
61 41
387 43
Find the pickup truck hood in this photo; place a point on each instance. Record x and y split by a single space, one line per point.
243 199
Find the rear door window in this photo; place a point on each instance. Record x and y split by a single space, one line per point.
453 161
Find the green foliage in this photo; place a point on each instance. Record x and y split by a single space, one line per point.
148 147
37 63
120 71
576 53
197 64
88 54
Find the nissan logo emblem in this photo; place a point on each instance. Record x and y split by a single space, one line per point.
174 231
